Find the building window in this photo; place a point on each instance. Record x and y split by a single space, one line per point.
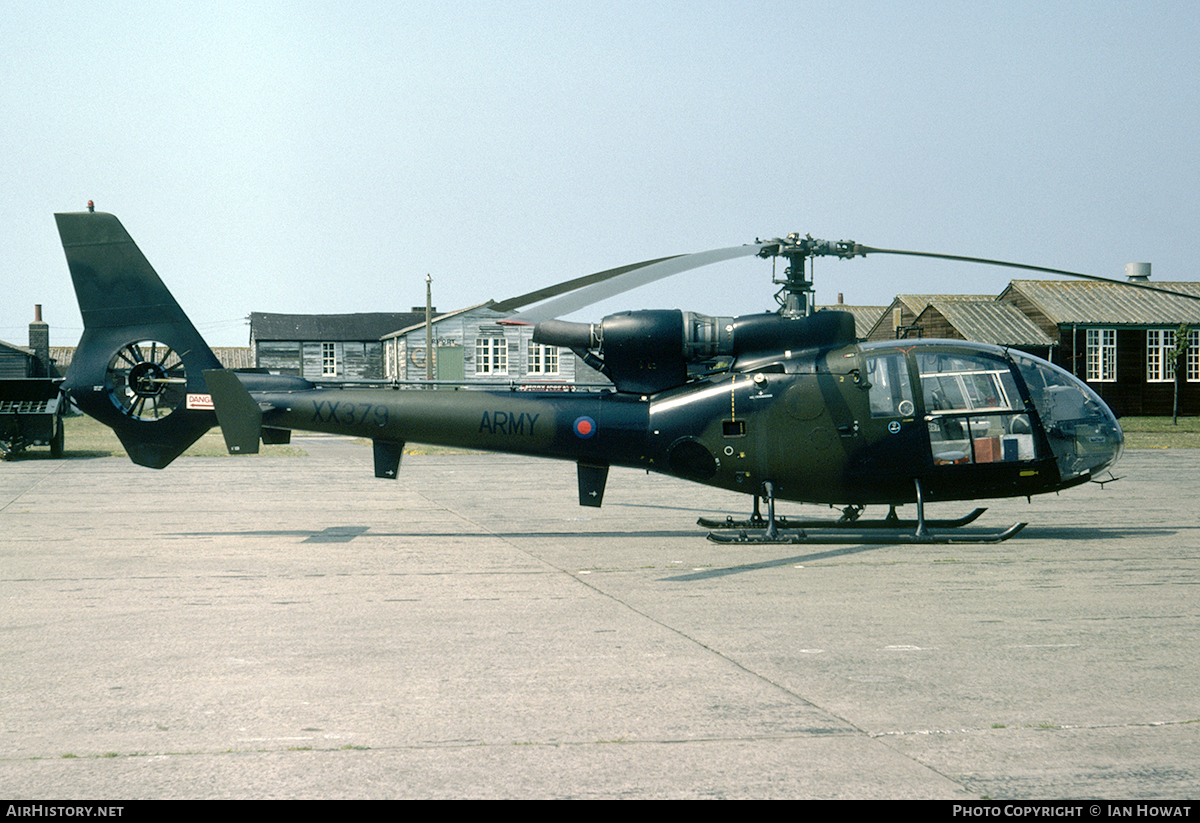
1102 355
542 359
1160 365
328 360
1193 356
491 355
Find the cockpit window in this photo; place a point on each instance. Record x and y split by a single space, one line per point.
891 391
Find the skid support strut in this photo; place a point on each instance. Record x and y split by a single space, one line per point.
781 530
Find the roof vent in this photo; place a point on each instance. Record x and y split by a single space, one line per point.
1137 272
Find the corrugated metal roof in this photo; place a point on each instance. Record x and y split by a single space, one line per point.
865 317
231 357
916 303
1086 302
987 321
447 316
330 327
235 357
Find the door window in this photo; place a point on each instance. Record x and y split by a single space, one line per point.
973 409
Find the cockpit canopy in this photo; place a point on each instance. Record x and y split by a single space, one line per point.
986 404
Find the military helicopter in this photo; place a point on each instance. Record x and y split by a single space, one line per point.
782 406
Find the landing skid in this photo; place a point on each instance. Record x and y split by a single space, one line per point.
889 522
842 537
848 529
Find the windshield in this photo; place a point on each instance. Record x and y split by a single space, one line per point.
1081 428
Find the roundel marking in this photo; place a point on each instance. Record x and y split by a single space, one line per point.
584 427
894 427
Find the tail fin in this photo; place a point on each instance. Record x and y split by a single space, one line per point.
240 417
139 365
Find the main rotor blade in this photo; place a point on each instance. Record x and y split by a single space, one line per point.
571 285
864 250
622 280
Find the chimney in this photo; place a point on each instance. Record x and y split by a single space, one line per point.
39 341
1137 272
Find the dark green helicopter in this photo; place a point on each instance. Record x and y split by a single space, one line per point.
781 406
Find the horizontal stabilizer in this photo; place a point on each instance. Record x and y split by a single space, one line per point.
237 412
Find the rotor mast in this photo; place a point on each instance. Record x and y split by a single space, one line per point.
795 293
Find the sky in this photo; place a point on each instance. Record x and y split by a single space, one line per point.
311 157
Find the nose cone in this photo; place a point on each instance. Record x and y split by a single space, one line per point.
1100 444
1095 439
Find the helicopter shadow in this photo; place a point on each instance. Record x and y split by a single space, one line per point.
1071 533
345 534
709 574
1099 533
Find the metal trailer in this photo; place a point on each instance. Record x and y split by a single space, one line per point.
31 412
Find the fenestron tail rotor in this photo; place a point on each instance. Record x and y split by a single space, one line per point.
147 380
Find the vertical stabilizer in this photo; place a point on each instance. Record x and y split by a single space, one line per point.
139 365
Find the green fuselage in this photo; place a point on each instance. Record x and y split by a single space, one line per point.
814 428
